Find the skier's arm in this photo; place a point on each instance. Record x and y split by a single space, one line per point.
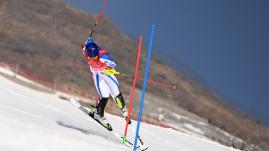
83 50
105 58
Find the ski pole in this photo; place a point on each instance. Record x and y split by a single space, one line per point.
161 84
98 18
174 87
113 71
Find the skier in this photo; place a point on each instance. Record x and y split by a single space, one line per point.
106 84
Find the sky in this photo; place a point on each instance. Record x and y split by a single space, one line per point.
224 44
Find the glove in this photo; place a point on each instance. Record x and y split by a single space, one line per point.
112 64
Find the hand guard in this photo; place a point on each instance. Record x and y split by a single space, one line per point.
110 71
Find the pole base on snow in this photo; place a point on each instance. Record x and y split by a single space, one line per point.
124 139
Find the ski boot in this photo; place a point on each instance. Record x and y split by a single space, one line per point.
102 120
120 101
98 114
124 113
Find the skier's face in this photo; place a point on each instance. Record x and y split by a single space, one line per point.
93 58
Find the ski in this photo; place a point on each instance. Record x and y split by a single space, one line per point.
142 146
89 111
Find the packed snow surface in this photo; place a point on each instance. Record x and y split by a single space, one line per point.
31 120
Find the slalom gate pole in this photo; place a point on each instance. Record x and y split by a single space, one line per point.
133 88
98 18
144 86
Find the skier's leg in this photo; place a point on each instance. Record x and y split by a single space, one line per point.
121 103
114 88
103 91
101 86
112 84
101 106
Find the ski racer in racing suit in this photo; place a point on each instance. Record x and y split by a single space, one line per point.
106 84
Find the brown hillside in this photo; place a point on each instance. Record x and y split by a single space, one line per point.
44 37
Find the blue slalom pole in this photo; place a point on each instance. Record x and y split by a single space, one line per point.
144 86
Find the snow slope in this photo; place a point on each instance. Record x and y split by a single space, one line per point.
35 121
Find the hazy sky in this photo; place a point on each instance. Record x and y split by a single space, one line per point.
223 43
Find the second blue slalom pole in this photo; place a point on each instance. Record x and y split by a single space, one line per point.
144 85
